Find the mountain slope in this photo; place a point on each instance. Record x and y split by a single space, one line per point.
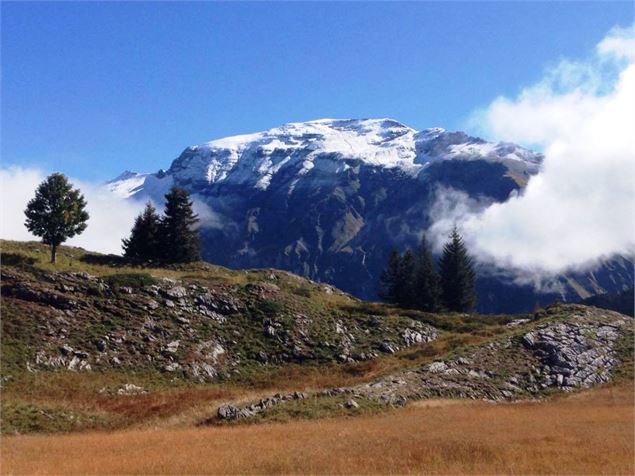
329 199
623 302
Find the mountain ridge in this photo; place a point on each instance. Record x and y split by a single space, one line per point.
376 142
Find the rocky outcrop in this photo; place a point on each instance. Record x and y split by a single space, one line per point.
231 412
188 328
571 347
578 351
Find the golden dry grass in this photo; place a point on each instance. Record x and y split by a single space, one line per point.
587 433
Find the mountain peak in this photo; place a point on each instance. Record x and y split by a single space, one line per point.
125 175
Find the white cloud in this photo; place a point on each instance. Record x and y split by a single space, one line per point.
580 207
619 43
111 218
207 217
451 207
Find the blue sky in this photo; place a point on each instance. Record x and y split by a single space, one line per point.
91 89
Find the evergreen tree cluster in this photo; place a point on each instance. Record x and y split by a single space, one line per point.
411 279
172 238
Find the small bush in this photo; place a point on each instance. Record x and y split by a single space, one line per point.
130 280
270 308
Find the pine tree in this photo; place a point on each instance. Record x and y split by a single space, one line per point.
457 275
143 244
57 212
180 242
405 283
426 285
388 278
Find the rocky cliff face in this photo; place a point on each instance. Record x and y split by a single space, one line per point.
329 199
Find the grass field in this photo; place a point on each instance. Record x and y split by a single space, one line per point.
585 433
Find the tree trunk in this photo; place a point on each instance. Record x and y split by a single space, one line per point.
53 253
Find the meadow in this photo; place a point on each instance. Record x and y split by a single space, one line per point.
589 432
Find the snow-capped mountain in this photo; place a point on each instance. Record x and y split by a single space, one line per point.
327 144
329 199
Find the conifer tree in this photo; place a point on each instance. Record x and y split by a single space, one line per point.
388 279
57 212
426 285
180 242
457 275
143 243
405 284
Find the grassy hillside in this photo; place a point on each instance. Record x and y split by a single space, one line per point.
96 343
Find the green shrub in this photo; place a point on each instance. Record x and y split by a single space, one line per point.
270 308
130 280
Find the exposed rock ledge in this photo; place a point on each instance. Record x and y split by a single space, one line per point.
574 348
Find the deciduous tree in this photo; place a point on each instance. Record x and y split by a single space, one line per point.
57 212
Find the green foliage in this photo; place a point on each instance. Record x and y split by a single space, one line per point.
410 280
270 308
426 282
57 212
457 275
388 281
143 244
171 239
130 280
180 242
406 279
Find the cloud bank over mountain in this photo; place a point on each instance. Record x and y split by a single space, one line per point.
579 208
110 220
